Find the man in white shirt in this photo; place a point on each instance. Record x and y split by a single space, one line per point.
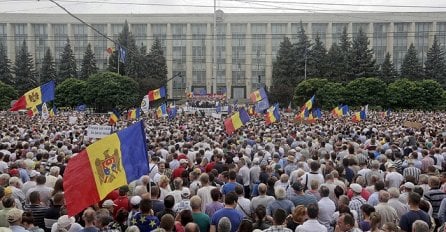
312 224
244 173
243 204
205 192
326 208
312 175
393 178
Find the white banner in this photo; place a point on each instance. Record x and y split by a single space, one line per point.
145 104
97 131
45 113
215 115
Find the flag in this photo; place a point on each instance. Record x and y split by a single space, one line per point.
161 111
134 114
236 121
388 112
218 108
81 107
157 93
122 54
262 105
339 111
172 112
33 111
114 117
359 116
272 114
257 95
110 50
35 97
104 166
251 110
305 110
53 111
309 103
45 112
345 110
145 106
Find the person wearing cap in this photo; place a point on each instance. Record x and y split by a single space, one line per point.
15 220
357 200
393 178
122 202
65 223
184 203
134 203
407 188
109 205
301 198
290 166
178 172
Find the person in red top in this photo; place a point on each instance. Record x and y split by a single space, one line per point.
179 171
122 202
364 193
211 164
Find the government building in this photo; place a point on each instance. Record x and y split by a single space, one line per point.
246 44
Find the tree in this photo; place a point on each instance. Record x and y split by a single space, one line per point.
48 70
301 53
403 94
127 42
307 88
363 91
157 67
317 61
5 67
387 71
363 64
283 78
411 67
25 75
67 66
334 63
430 95
70 92
8 94
345 61
108 90
331 95
88 64
434 67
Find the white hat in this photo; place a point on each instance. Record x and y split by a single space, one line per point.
135 200
356 188
64 221
409 185
183 161
185 192
34 173
108 203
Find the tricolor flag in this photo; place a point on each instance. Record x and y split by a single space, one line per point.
309 103
157 94
134 114
359 116
305 110
104 166
272 114
35 97
236 121
53 111
114 117
257 95
315 114
33 111
161 111
340 111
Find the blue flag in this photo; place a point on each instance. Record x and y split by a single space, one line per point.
81 107
218 108
262 105
122 54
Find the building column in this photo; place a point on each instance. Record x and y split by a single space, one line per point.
329 34
71 35
248 58
51 39
310 30
90 39
169 59
31 42
150 38
228 61
10 43
390 30
432 33
209 43
411 35
370 35
268 56
188 57
110 35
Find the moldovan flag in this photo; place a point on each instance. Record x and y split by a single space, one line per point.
359 116
114 117
236 121
272 115
157 94
161 111
104 166
134 113
258 95
35 97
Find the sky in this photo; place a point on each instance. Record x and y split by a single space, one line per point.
227 6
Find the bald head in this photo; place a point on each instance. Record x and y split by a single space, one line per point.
191 227
262 189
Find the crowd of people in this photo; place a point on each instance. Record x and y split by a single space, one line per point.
332 175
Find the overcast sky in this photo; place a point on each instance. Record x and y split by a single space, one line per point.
228 6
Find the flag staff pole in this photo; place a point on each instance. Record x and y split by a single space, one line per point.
119 54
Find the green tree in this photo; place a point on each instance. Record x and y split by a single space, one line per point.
157 67
126 40
434 67
48 70
302 50
8 94
108 90
387 71
363 64
25 74
317 59
67 65
283 78
345 61
363 91
430 95
70 92
331 95
334 63
403 94
5 67
411 66
88 63
307 88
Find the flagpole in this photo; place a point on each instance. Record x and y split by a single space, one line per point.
119 53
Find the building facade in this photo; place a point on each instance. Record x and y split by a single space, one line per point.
246 44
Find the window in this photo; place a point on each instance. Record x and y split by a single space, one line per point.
221 53
100 46
40 43
20 35
258 59
199 53
337 29
295 30
380 41
3 34
359 26
160 33
278 33
139 31
399 43
238 53
179 57
60 39
422 40
80 42
321 30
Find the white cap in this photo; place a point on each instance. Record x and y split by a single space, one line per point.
108 203
185 192
356 188
409 185
135 200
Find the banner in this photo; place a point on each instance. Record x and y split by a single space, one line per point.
145 104
45 112
97 131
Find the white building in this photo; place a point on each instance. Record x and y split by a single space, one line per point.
246 43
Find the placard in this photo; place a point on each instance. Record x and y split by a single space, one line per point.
97 131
